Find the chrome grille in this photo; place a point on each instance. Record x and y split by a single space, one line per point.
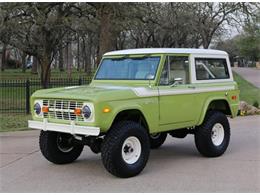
62 109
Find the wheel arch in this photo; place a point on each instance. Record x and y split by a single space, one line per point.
132 114
218 104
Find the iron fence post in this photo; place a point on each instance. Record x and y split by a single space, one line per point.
27 91
80 81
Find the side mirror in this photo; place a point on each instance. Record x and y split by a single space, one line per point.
150 77
177 81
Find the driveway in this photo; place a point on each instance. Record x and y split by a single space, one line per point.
250 74
175 167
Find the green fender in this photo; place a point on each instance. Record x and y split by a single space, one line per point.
206 105
106 124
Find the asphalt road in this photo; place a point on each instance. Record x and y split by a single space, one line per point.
175 167
250 74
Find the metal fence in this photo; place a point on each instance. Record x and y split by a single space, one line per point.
15 94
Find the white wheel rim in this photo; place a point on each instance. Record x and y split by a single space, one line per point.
217 134
131 150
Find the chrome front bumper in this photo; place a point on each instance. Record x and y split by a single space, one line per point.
64 128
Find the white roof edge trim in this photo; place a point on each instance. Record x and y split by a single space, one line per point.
167 50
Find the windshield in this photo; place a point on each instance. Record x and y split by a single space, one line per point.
143 68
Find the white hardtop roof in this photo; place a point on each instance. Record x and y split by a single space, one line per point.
167 50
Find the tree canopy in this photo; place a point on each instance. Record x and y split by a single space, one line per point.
43 30
247 44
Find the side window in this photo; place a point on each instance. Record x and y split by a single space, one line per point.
175 67
164 79
210 68
179 68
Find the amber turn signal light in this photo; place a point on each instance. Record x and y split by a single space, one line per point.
77 111
45 109
106 110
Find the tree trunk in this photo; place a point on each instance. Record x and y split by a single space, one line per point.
69 59
88 55
1 61
94 54
107 38
3 58
206 39
78 54
66 57
205 44
83 50
45 64
61 62
55 64
39 69
34 65
88 59
23 62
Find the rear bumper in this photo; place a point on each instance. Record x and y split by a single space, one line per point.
64 128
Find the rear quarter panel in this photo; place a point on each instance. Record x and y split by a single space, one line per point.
203 101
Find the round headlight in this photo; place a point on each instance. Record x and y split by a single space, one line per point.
37 108
86 111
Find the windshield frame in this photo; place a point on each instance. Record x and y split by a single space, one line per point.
129 56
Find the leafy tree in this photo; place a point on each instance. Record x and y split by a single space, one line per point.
209 19
50 31
249 42
37 29
246 44
230 46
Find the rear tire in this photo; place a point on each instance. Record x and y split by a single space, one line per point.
59 148
212 137
125 149
156 140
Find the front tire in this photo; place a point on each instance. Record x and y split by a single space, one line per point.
59 148
125 149
212 137
157 139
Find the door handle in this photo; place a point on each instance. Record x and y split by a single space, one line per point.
192 87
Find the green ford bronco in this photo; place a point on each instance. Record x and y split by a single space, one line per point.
136 98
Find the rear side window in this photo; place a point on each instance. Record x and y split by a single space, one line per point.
211 68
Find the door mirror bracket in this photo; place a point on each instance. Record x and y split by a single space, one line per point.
176 82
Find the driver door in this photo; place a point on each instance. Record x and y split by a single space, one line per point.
176 97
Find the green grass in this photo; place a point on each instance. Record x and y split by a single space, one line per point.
14 122
248 92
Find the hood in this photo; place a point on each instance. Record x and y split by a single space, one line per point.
86 92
